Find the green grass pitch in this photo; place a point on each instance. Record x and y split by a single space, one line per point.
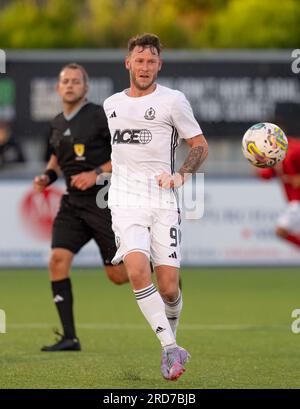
236 324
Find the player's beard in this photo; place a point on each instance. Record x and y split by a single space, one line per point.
142 87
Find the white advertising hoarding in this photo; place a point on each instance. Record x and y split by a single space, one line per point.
26 220
237 227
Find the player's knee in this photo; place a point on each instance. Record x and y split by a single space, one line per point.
169 292
57 267
117 274
139 277
281 232
55 261
138 268
114 278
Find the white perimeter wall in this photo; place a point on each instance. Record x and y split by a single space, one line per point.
237 227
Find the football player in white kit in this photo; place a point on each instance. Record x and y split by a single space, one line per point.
145 122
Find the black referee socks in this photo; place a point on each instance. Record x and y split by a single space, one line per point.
63 298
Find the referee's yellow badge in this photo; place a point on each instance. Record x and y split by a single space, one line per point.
79 149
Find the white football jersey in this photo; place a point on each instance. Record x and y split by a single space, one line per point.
144 135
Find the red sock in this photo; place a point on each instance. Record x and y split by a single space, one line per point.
293 239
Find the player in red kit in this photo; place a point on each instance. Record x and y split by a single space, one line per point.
288 225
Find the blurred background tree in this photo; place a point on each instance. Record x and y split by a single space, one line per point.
252 24
179 23
41 24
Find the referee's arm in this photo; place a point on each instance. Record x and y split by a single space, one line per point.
105 167
85 180
49 176
53 164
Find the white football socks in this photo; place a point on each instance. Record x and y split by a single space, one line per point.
173 310
153 308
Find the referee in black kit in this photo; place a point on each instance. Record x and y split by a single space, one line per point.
80 146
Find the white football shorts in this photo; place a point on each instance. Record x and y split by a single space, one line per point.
154 232
290 219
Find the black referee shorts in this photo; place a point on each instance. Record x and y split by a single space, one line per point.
79 220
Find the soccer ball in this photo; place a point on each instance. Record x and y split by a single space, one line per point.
264 145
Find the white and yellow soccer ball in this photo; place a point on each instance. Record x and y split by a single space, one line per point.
264 145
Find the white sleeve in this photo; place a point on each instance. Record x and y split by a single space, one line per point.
183 118
104 106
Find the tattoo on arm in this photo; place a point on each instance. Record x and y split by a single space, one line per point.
195 158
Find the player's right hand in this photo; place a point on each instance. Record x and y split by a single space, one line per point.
167 181
40 182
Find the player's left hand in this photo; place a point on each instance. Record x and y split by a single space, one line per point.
167 181
84 180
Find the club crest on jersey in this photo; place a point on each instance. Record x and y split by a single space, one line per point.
142 136
79 149
150 114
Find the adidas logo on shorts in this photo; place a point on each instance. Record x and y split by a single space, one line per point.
173 255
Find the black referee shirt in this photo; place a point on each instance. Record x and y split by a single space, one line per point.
81 142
